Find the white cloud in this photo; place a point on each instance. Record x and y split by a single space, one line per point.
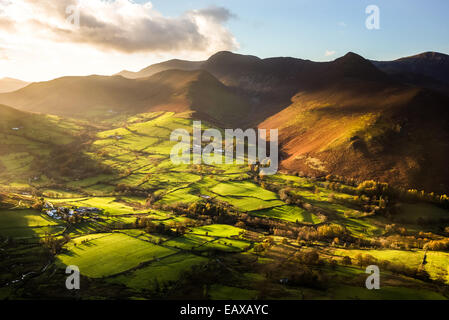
342 24
110 32
329 53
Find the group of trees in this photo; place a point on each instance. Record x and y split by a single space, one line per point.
437 245
327 232
169 229
131 191
300 271
53 243
384 190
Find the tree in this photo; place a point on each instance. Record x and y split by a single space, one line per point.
347 261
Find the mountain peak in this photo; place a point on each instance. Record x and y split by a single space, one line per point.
352 65
353 57
228 56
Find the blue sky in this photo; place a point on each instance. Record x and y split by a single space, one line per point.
307 29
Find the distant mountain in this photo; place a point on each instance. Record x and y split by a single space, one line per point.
247 89
9 85
174 64
100 97
429 69
269 84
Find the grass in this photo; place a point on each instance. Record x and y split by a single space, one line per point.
24 219
247 204
163 271
244 188
180 195
412 212
384 293
29 232
218 230
108 254
220 292
437 262
288 213
110 205
188 242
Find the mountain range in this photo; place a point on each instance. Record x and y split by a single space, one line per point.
353 117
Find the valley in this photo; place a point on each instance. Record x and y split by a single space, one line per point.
140 227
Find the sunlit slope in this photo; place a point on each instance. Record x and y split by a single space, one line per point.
104 97
397 135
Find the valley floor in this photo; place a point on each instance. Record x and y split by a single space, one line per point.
139 227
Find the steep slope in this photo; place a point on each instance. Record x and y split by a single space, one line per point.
394 134
100 97
174 64
9 85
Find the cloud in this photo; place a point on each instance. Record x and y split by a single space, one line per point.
119 25
220 14
329 53
342 24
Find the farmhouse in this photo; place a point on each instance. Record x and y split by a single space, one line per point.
60 212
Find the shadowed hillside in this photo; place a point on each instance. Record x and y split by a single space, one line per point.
35 147
394 134
174 64
428 69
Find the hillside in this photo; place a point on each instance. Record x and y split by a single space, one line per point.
343 117
9 85
269 84
398 135
174 64
101 97
36 147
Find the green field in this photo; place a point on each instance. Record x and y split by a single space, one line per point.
437 262
218 230
288 213
26 224
163 271
108 254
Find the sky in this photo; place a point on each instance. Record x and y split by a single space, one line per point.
45 39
